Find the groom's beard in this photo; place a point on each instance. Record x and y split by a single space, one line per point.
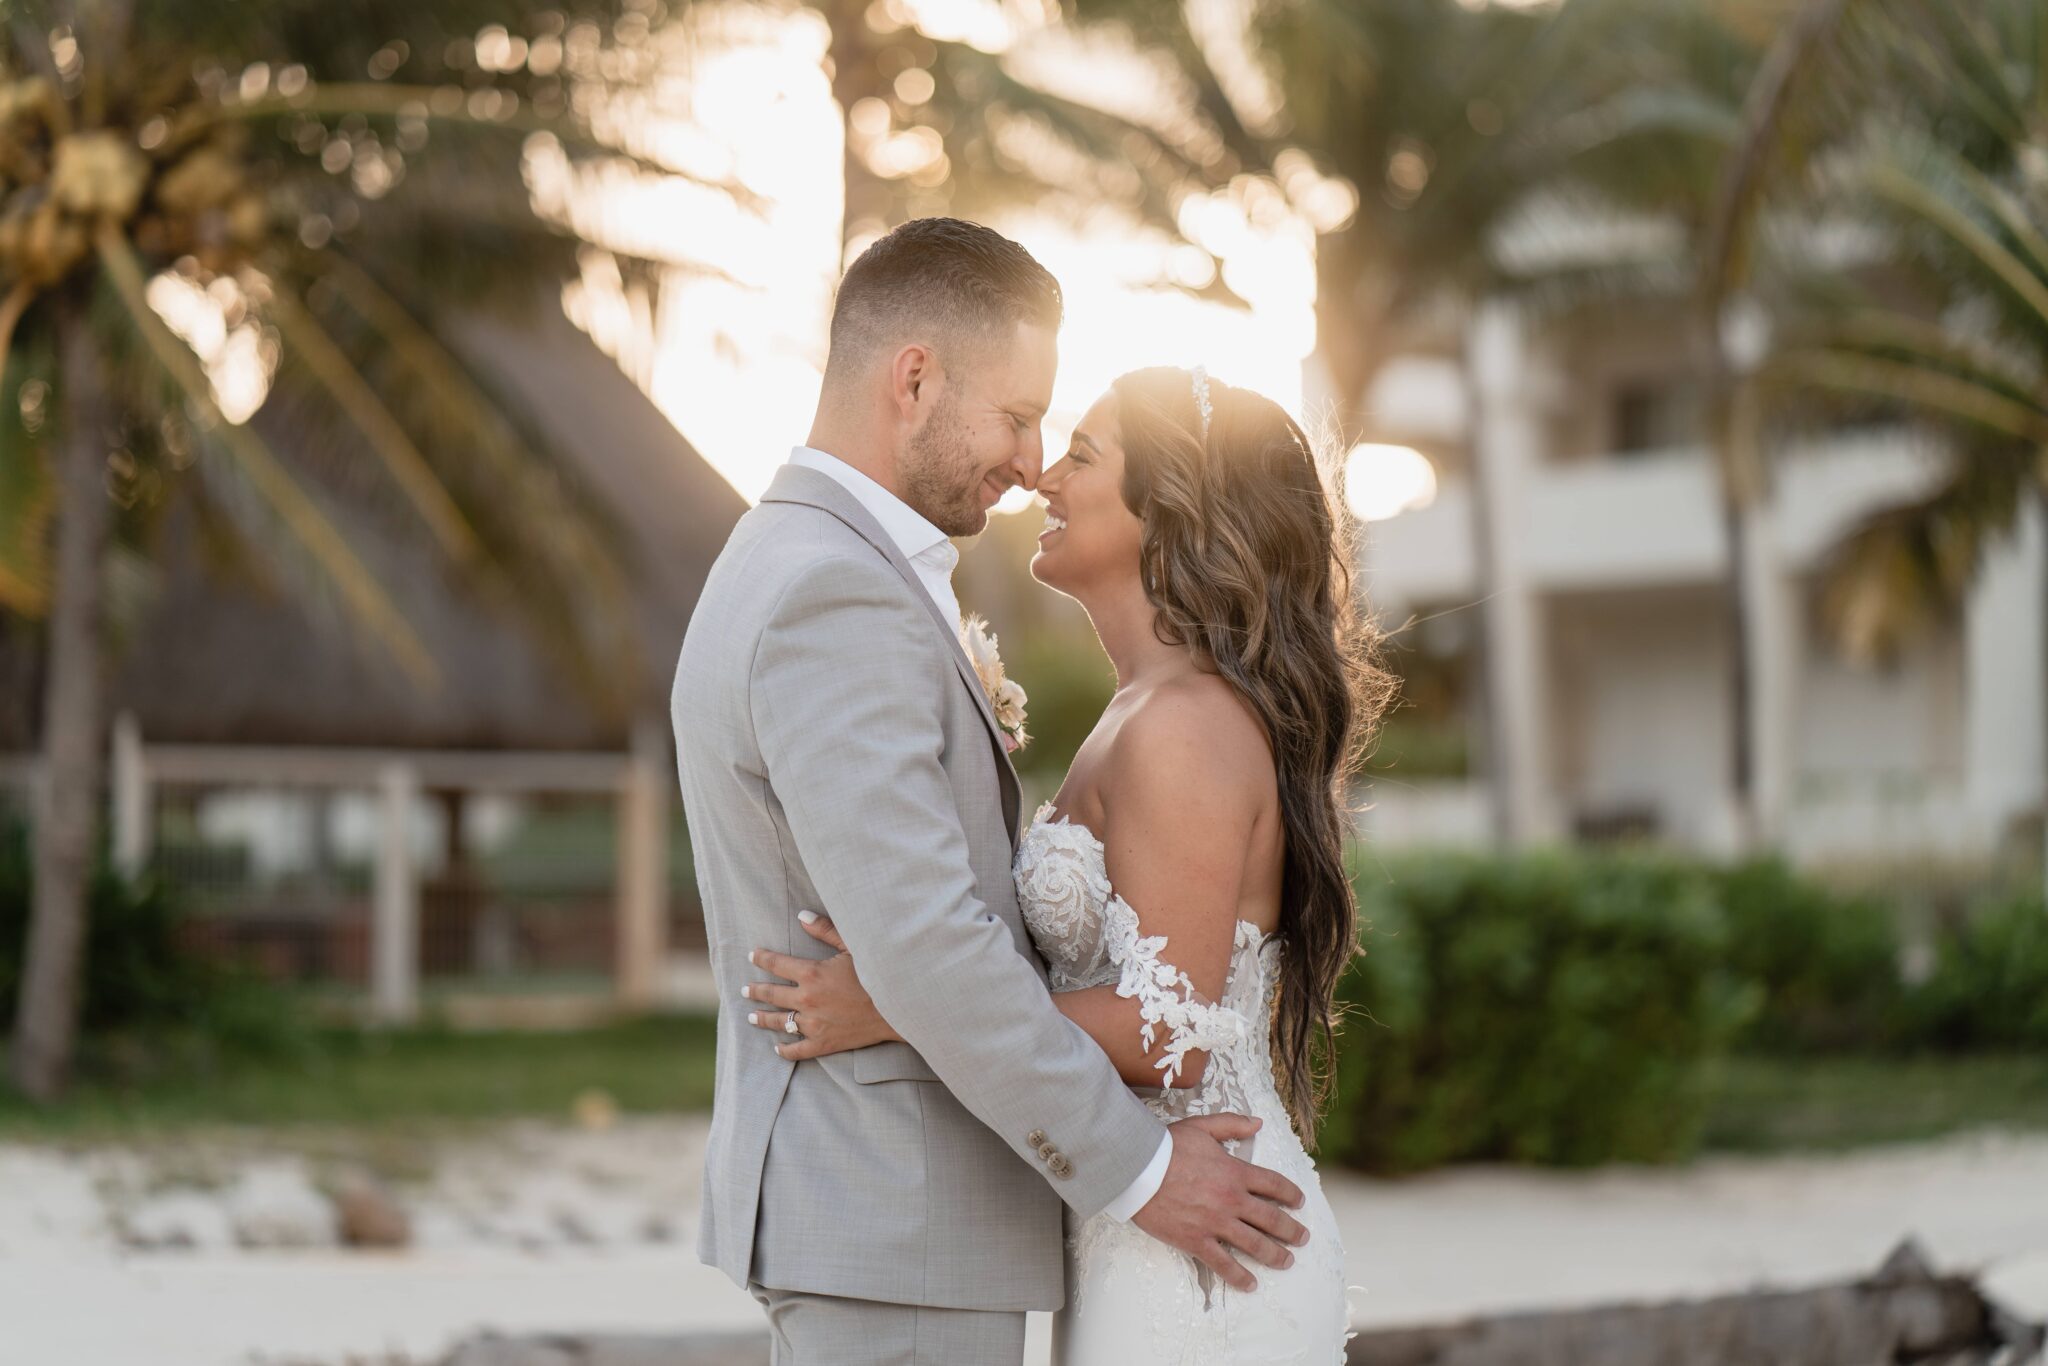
937 481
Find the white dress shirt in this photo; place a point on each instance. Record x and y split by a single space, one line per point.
928 549
933 555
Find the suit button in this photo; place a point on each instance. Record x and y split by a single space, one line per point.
1059 1165
1046 1152
1036 1138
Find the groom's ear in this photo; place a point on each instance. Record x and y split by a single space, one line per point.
914 367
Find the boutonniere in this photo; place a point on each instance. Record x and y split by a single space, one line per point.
1005 698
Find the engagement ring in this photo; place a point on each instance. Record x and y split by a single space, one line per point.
789 1025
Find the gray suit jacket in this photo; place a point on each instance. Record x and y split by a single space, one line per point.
837 753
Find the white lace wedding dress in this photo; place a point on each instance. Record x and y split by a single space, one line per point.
1132 1300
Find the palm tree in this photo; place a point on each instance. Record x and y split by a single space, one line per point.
1450 120
339 181
1332 88
1928 128
1632 110
940 125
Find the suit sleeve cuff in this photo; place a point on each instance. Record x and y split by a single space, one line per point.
1140 1192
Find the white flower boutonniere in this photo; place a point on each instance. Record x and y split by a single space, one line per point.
1005 698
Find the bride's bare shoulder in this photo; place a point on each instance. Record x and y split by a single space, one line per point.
1192 733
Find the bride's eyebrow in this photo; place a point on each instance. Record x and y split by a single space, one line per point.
1086 440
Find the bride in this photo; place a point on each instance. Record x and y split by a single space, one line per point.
1186 885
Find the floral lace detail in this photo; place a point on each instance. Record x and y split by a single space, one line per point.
1165 995
1061 887
1134 1299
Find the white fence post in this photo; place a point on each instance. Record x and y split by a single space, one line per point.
642 938
131 814
394 927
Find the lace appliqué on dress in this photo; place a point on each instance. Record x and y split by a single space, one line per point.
1061 883
1165 995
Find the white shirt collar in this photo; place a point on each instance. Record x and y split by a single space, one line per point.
913 535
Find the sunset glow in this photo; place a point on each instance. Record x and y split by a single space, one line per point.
734 348
1382 481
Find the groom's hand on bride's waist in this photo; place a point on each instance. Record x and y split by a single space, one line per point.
1213 1206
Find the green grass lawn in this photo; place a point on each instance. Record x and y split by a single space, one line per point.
1779 1104
402 1081
368 1080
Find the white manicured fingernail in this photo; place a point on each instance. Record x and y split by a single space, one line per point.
753 1017
808 917
750 956
747 992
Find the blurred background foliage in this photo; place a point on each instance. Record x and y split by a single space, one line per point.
1559 1008
347 181
1578 1007
152 999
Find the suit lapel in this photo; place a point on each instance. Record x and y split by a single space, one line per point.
795 484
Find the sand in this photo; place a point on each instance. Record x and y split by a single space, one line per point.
219 1251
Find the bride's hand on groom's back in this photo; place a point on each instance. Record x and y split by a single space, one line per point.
1212 1205
832 1010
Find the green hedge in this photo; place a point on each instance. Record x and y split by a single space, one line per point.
1989 988
1827 962
1554 1008
1570 1007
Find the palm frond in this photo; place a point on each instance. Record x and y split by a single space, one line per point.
32 49
1894 184
1903 571
1765 110
1976 68
1630 116
344 383
2006 209
1963 398
1905 336
277 492
551 540
386 103
12 305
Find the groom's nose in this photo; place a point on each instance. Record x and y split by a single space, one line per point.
1029 462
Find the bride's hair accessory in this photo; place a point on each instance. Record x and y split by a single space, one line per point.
1201 383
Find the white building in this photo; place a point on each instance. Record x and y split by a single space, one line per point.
1609 638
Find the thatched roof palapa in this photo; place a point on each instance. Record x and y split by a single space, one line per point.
221 660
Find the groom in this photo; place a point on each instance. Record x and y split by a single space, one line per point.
901 1203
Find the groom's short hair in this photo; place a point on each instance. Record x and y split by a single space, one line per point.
944 281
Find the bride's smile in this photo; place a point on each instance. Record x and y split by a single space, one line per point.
1091 536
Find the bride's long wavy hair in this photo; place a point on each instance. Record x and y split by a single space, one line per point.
1247 561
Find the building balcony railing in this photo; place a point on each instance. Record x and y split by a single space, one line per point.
1843 820
1643 519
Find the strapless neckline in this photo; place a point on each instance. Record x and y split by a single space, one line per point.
1043 816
